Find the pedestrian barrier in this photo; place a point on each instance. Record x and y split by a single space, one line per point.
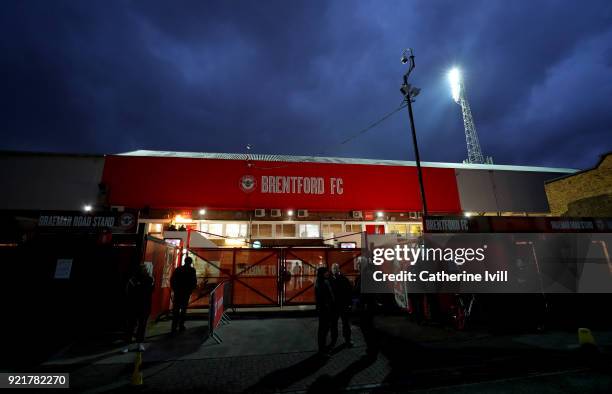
219 302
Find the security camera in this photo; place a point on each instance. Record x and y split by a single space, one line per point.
404 59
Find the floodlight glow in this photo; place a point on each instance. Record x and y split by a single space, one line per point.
202 211
87 208
454 77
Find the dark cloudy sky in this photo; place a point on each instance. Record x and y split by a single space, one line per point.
299 77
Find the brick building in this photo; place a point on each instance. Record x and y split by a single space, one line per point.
587 193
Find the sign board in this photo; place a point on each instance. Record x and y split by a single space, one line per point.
515 224
230 184
116 222
63 269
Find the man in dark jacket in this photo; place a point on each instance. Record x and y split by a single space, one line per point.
139 290
343 291
183 282
325 307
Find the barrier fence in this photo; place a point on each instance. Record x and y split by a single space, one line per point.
220 301
266 277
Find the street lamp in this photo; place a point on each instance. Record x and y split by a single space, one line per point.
410 92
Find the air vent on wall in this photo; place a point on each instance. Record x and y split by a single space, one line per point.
275 213
302 213
259 213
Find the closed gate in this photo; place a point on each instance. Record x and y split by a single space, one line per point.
251 273
301 265
266 277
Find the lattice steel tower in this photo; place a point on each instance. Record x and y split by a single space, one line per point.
475 155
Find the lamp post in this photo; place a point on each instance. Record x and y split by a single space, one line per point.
409 92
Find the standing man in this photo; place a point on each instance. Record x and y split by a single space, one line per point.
183 282
139 290
343 291
325 308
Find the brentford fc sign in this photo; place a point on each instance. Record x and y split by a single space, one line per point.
234 185
270 184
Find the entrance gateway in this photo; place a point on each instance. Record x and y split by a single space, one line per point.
270 276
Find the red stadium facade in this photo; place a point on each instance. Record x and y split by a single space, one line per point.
234 199
245 185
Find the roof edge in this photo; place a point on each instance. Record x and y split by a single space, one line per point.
340 160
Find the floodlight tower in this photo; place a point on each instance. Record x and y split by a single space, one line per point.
471 137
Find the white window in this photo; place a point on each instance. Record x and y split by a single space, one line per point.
213 229
309 231
329 229
236 230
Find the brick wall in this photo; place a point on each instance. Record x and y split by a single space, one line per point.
588 193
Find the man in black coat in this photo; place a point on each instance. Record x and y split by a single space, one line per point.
139 290
325 308
343 291
183 282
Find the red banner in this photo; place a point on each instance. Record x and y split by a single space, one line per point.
171 182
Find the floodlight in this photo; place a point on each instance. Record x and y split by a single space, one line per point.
87 208
454 77
202 211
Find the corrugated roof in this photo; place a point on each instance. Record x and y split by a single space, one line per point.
339 160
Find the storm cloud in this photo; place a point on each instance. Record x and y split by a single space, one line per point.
300 77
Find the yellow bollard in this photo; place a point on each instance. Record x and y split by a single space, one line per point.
137 374
585 337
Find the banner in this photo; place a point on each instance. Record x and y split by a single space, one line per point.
159 182
63 221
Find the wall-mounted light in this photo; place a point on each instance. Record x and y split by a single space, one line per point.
380 214
467 214
290 212
87 208
202 211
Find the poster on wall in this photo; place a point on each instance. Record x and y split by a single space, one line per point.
63 268
149 267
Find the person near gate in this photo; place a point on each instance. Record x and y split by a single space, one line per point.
139 290
343 292
325 308
183 282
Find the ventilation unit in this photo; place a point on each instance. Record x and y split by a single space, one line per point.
259 213
302 213
357 215
275 213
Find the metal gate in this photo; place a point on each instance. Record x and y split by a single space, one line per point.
266 277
